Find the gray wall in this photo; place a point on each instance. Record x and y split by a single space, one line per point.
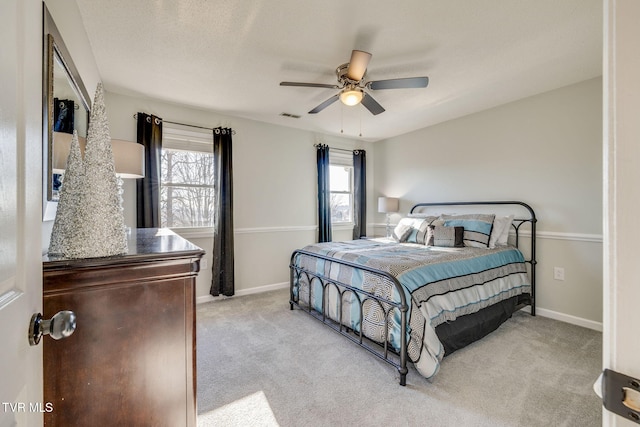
274 188
545 150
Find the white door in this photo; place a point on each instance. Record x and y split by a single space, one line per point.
20 210
621 82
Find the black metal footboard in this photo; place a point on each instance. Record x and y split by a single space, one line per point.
379 349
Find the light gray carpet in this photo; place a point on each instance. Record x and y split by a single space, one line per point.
260 364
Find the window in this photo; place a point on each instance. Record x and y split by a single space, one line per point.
187 187
341 183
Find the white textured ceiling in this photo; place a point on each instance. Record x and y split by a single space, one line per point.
229 56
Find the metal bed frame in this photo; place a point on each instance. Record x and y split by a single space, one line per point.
382 350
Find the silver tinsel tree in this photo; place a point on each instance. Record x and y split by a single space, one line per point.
96 227
66 231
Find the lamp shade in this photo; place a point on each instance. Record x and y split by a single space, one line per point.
128 157
388 204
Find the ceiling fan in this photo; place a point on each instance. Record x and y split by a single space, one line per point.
352 85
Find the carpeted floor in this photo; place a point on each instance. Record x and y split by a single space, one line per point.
260 364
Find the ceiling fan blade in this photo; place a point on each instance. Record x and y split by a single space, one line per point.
328 86
358 65
372 105
325 104
406 83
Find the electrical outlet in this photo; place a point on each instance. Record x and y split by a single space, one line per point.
558 273
204 264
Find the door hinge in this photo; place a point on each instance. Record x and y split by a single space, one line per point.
620 394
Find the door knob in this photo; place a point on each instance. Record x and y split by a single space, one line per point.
61 325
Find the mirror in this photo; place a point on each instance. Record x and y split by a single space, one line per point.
66 105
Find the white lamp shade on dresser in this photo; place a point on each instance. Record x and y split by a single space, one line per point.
128 157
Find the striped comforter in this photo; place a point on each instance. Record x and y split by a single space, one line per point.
440 283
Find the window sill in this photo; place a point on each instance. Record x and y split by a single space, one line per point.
194 232
342 226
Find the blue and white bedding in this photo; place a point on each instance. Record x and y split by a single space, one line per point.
440 283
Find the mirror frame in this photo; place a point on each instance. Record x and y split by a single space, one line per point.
53 46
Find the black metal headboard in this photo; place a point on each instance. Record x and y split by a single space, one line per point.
517 223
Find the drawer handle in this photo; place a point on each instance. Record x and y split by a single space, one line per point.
61 325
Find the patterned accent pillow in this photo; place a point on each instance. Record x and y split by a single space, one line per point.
401 232
448 237
477 228
418 230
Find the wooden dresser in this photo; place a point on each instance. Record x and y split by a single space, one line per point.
132 358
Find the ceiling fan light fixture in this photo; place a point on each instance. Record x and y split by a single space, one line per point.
351 96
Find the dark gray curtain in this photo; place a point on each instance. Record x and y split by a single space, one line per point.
359 194
63 113
148 188
324 194
222 277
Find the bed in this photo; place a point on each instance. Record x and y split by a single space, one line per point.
442 282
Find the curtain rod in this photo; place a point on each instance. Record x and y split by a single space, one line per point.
233 132
340 149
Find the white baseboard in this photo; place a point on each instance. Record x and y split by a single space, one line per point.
567 318
256 290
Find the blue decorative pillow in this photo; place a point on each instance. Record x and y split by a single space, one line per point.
477 228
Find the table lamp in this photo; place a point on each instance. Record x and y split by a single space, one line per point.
388 205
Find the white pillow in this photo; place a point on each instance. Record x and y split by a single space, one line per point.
417 229
502 240
500 231
401 232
